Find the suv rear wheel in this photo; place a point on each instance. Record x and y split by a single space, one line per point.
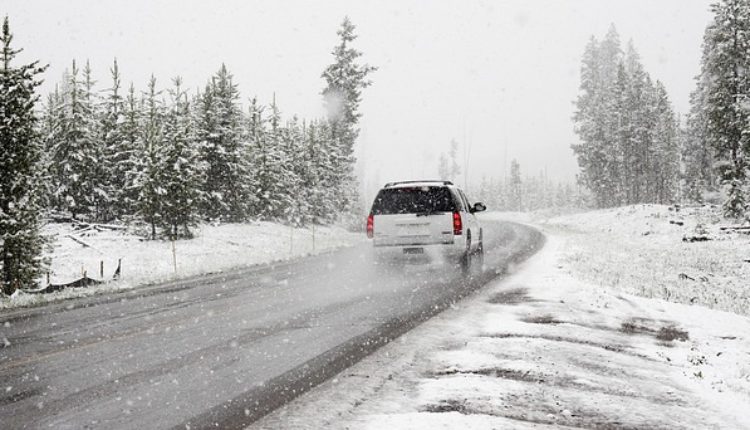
466 257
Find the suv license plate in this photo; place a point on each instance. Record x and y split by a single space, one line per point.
413 250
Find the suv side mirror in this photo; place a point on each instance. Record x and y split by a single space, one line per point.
478 207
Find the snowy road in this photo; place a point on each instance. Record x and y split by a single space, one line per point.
219 350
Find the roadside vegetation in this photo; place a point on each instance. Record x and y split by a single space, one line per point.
165 161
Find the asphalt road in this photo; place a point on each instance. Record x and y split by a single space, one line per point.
222 350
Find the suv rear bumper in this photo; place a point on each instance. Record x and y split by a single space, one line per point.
420 252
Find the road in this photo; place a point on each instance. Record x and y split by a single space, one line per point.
222 350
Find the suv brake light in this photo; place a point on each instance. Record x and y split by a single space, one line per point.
370 226
457 224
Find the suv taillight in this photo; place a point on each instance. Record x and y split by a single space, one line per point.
370 226
457 224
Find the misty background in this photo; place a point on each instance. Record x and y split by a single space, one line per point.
499 77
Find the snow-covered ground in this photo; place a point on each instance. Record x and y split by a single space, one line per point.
551 346
639 250
214 249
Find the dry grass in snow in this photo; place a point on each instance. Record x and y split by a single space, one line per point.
637 250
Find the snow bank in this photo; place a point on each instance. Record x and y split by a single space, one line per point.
215 248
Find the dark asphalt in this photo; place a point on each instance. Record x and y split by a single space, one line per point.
222 350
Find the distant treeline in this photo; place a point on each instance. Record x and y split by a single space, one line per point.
526 193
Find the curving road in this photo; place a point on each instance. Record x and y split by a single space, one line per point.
222 350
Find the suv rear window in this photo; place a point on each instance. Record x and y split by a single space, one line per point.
413 200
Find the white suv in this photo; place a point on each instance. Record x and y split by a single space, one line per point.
430 219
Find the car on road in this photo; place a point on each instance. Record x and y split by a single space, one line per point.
426 220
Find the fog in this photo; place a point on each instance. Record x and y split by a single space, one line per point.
498 76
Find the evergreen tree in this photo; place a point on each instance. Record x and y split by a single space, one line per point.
345 80
665 149
725 90
129 156
75 154
116 153
219 129
21 175
291 182
147 181
181 172
271 163
697 156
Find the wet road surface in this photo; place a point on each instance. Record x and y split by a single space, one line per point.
222 350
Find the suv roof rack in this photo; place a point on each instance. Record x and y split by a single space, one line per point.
390 184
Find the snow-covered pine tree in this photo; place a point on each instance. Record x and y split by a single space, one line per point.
147 181
181 172
596 153
345 79
101 197
129 156
726 89
75 155
665 151
255 135
274 200
21 176
696 154
115 154
322 171
223 150
292 179
50 132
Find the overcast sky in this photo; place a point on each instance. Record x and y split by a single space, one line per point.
499 76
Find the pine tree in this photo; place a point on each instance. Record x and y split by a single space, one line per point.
129 156
272 165
115 153
666 149
50 132
181 172
21 175
75 154
147 181
322 173
696 154
345 80
725 91
291 182
219 129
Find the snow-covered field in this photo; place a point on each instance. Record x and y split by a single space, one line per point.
561 343
214 249
636 249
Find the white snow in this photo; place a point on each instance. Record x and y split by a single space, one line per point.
550 347
215 248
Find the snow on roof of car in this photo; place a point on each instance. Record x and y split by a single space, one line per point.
422 183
